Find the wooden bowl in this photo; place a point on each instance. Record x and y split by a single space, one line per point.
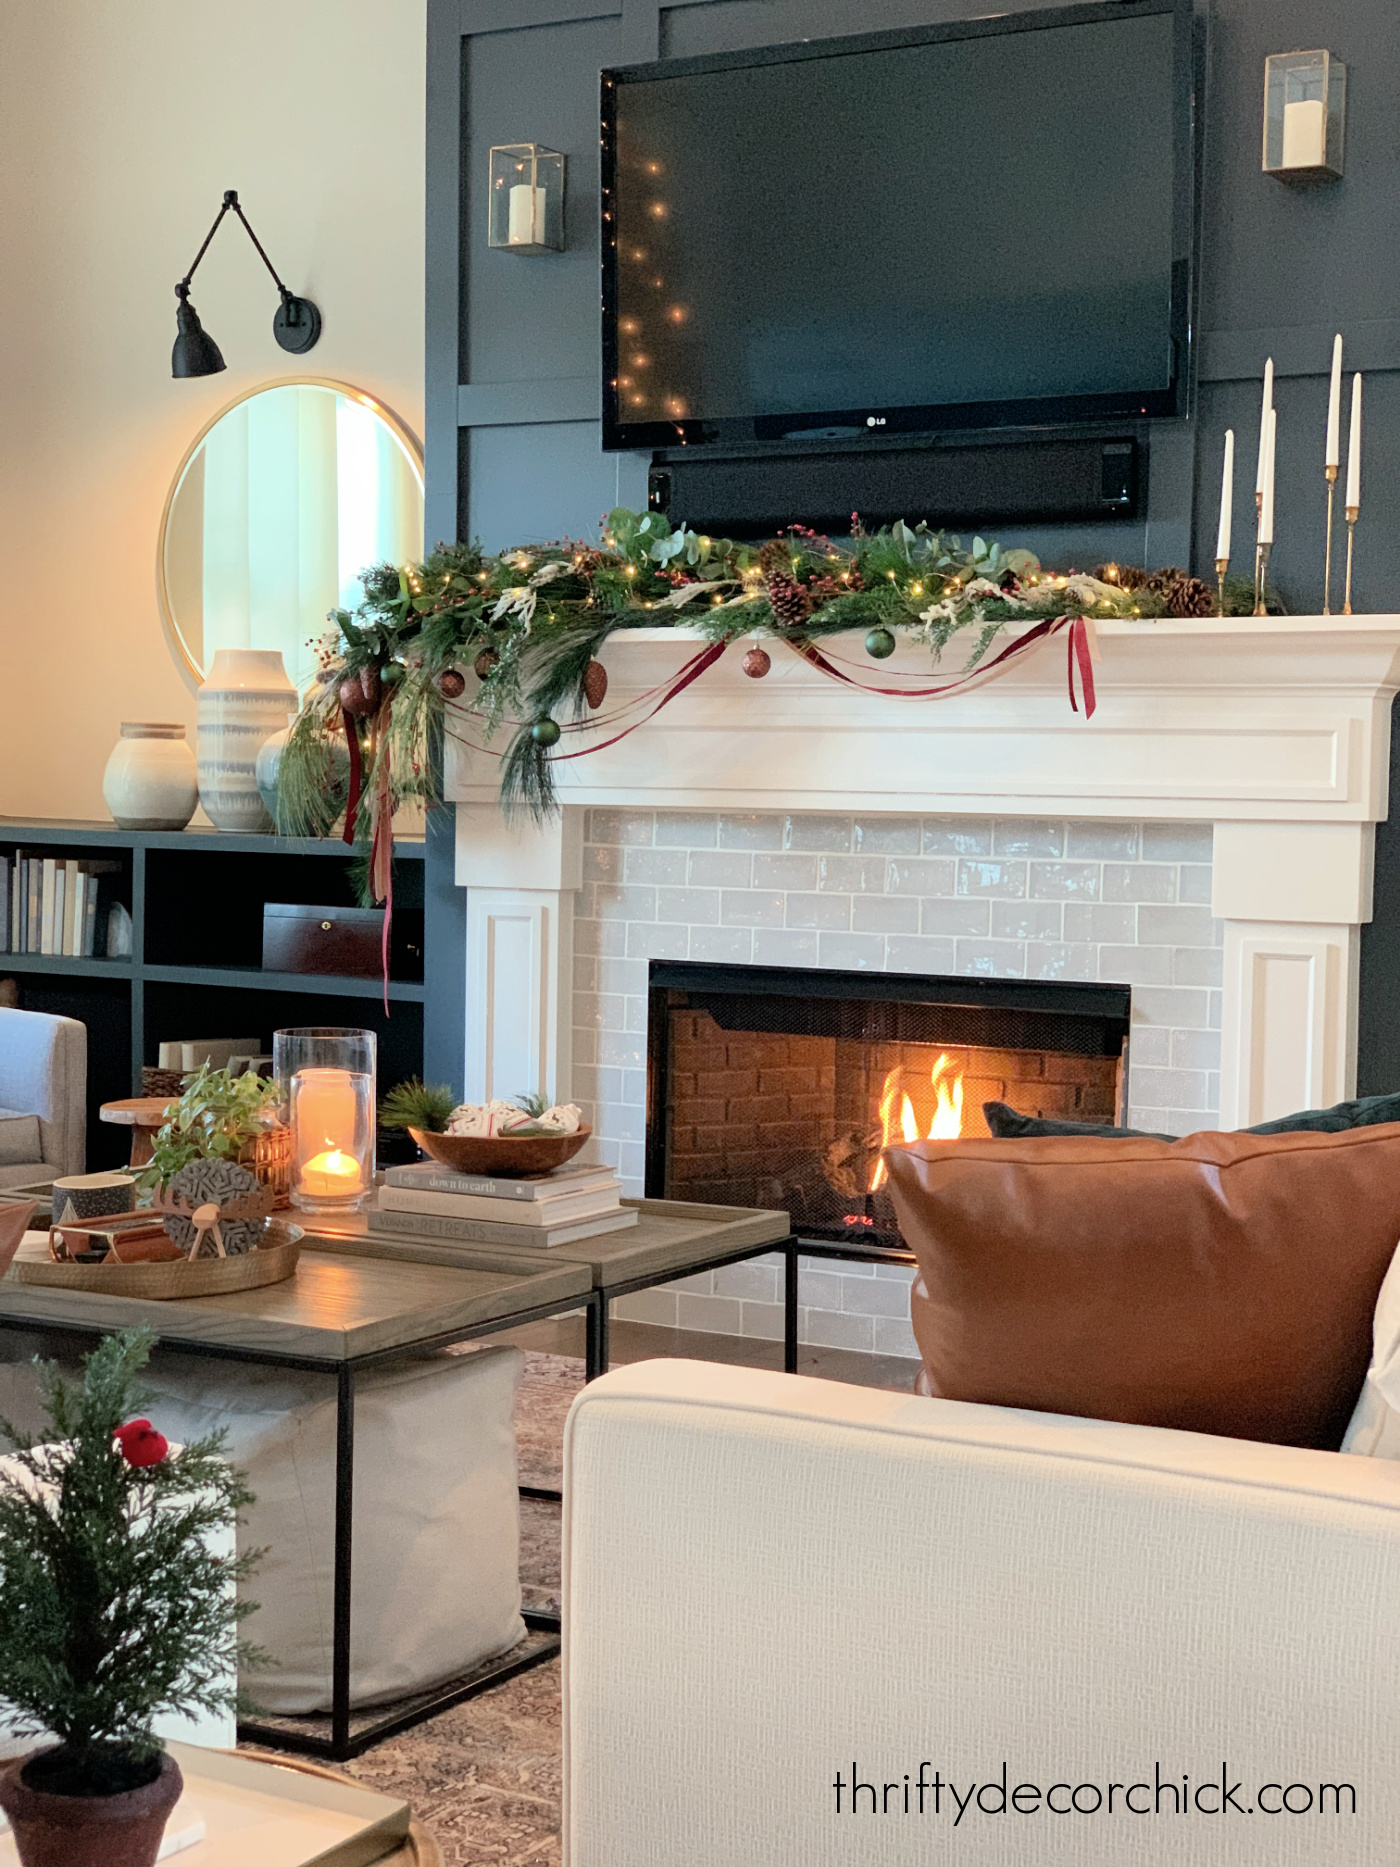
522 1156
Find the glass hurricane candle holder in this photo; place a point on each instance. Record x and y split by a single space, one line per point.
325 1079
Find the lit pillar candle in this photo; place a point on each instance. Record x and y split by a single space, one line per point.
1227 500
1354 449
1264 425
332 1175
526 215
1334 408
1266 510
323 1115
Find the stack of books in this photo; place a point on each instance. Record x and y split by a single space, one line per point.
557 1208
58 905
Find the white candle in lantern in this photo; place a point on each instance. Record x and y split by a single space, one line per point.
1266 511
1264 424
1227 499
526 215
1334 408
1305 133
1354 449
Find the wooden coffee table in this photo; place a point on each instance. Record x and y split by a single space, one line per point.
672 1238
341 1315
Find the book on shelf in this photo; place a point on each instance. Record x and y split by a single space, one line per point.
60 892
559 1211
4 904
491 1232
428 1177
70 902
48 869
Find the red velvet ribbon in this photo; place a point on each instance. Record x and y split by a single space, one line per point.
1078 652
357 774
692 671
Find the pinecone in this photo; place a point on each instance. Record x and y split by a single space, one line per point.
1126 576
595 684
791 604
1182 594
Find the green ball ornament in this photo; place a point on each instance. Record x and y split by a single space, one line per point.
545 732
880 643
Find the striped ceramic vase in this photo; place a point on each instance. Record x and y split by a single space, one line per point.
245 698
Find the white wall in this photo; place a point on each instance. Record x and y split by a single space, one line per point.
121 124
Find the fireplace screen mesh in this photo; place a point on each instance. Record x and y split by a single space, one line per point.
769 1088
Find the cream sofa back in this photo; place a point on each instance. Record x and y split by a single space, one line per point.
769 1580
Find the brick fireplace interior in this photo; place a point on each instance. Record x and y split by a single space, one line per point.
777 1087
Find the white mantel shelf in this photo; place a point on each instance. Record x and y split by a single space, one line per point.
1274 729
1271 717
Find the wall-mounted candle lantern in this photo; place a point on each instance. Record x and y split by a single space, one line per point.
1305 103
326 1080
527 198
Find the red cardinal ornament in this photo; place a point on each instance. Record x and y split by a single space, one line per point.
141 1444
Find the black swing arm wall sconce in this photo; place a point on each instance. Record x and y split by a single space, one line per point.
296 323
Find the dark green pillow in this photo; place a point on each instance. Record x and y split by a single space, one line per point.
1366 1112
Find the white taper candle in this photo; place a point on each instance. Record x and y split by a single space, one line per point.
1266 511
1334 408
1227 499
1264 423
1354 449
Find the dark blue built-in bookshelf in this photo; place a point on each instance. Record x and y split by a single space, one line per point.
196 899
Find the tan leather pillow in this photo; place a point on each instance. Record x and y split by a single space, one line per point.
1224 1283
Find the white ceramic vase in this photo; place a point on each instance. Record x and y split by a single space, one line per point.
151 782
245 698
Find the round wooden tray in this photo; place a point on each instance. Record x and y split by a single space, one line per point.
525 1154
273 1261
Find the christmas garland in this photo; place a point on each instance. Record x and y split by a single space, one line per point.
530 623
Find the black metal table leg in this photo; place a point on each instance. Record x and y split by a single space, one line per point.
596 1351
344 1543
790 1307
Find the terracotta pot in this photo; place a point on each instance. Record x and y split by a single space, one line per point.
88 1831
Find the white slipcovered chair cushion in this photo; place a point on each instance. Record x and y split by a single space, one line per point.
435 1576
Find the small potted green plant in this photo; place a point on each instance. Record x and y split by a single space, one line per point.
227 1119
115 1607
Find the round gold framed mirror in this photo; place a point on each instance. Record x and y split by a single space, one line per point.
281 500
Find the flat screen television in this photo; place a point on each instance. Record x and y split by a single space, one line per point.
980 225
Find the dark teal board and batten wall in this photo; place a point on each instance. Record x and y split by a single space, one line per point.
512 344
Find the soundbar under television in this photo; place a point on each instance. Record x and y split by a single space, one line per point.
979 225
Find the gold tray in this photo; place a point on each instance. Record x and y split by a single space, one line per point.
273 1261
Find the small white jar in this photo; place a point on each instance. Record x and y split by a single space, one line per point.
151 781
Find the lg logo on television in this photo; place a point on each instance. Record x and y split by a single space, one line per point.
875 421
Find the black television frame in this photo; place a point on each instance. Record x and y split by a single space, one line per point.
802 429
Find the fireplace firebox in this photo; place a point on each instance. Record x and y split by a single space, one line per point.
777 1087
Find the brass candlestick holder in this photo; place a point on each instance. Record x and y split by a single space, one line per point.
1261 578
1353 514
1221 566
1332 473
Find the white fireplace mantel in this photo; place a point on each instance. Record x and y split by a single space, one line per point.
1275 730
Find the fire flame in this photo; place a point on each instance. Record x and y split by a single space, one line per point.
946 1081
